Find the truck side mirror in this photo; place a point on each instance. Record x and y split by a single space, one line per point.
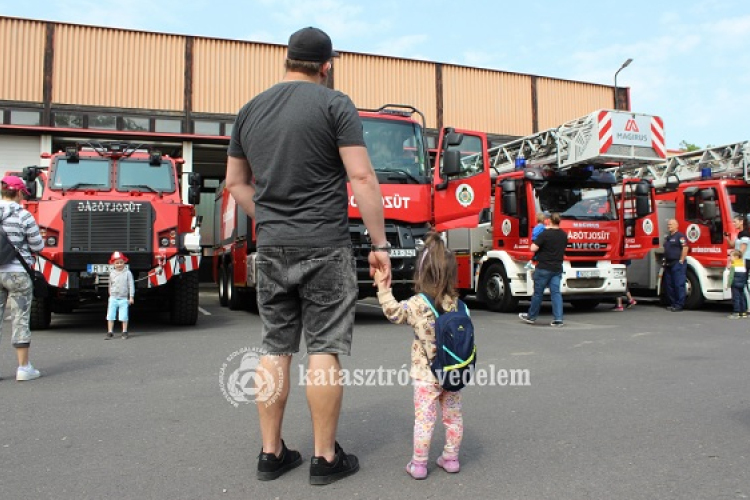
709 210
195 179
453 138
510 199
194 195
451 163
642 199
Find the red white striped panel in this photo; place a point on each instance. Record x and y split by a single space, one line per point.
657 134
605 131
55 275
159 276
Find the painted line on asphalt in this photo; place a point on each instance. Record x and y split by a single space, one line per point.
206 313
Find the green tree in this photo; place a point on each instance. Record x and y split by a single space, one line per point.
689 146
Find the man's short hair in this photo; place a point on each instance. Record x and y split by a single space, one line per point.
309 68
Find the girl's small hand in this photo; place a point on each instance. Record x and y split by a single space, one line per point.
379 278
130 301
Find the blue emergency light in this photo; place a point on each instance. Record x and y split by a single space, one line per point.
705 172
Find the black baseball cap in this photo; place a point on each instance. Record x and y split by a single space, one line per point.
310 44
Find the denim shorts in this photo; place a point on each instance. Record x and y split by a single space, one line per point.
117 309
307 290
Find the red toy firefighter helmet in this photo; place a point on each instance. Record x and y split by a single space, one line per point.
117 256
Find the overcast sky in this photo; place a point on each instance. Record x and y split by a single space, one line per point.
691 58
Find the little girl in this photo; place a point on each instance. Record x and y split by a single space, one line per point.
435 276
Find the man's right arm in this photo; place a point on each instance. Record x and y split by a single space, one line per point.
366 190
238 184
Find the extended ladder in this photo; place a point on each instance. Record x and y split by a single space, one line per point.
729 161
604 137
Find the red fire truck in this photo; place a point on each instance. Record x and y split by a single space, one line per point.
563 170
703 190
416 197
96 198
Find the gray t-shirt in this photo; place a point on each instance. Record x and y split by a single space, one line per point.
290 135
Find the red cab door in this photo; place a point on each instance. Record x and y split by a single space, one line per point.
459 201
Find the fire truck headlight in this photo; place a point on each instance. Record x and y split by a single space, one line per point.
164 242
51 241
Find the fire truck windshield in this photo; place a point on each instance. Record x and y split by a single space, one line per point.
577 202
86 172
140 175
397 151
739 197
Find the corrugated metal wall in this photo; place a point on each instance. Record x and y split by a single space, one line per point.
489 101
373 81
115 68
227 74
110 68
21 60
560 101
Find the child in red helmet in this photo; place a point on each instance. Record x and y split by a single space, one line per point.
121 292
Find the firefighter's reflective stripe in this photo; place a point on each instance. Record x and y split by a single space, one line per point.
55 276
178 264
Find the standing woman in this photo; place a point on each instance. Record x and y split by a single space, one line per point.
15 282
742 243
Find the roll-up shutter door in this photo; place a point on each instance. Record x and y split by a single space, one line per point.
17 151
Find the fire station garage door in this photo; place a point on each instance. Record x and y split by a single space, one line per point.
18 151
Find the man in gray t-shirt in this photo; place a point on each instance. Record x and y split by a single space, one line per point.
292 149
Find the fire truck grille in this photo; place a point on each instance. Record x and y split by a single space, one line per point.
94 230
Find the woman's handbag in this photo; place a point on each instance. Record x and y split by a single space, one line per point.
37 278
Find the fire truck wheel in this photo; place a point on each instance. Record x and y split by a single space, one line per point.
223 287
494 290
40 316
694 293
184 307
234 297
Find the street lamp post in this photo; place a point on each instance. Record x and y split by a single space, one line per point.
624 65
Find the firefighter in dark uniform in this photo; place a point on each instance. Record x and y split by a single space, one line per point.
675 267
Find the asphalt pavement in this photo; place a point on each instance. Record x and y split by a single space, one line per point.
618 405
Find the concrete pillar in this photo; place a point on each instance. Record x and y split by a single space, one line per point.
187 167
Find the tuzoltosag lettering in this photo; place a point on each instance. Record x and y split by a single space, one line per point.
108 206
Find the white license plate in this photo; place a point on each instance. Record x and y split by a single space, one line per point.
587 274
403 252
101 268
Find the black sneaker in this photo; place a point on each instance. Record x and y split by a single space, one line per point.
324 472
271 467
125 335
525 318
108 336
557 323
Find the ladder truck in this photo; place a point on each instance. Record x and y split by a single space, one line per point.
703 191
563 170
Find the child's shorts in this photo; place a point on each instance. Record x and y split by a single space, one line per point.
117 308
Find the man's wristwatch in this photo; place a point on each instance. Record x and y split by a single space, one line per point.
380 248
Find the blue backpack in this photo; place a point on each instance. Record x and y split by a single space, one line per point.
456 355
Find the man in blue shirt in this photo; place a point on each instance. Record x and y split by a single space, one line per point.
675 266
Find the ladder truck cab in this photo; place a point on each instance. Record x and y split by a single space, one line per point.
416 197
703 190
97 198
563 170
